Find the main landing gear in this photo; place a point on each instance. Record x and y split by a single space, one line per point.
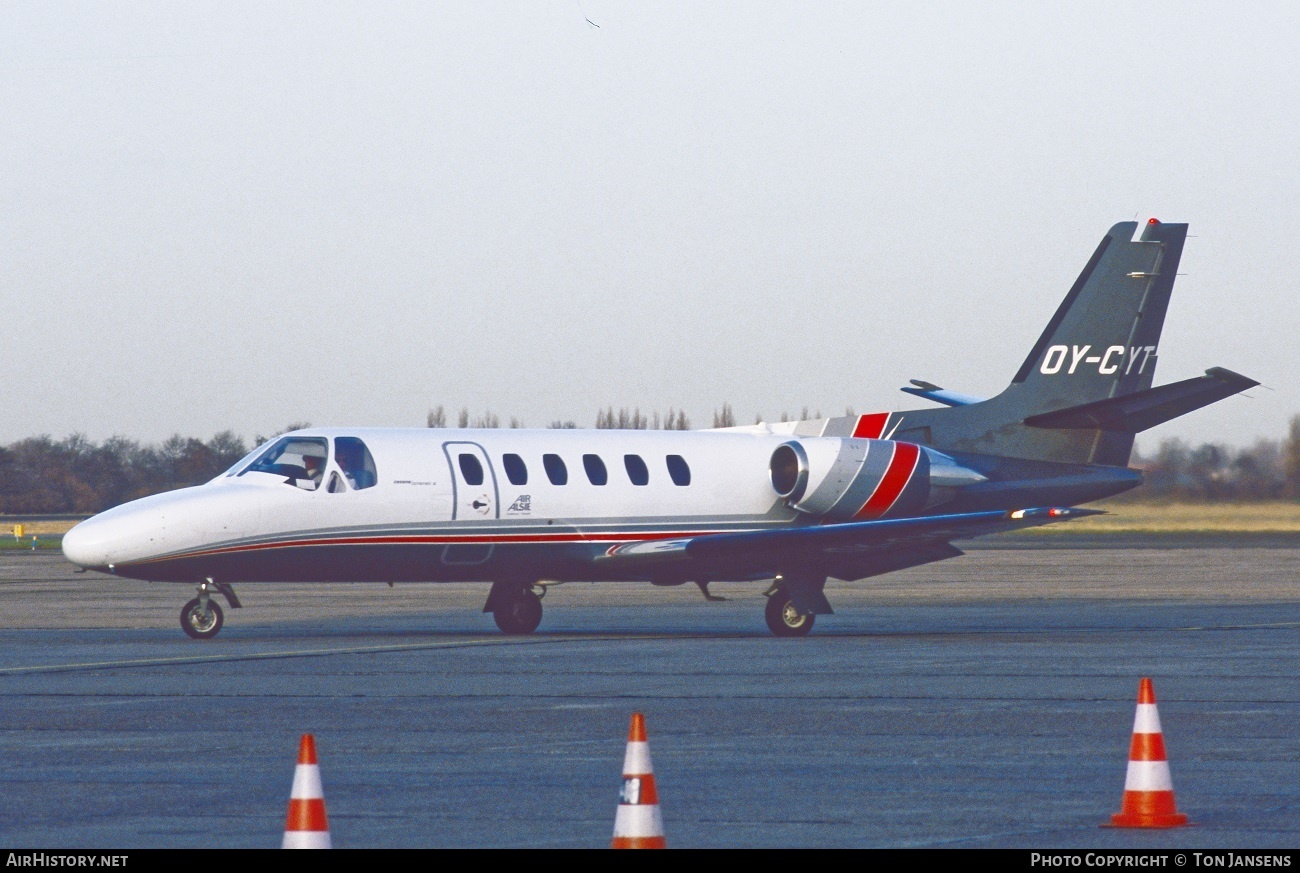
517 607
784 618
202 618
794 601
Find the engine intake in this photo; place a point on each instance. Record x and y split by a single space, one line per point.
789 468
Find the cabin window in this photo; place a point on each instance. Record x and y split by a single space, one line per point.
470 469
555 469
679 470
301 460
516 470
636 469
356 462
595 467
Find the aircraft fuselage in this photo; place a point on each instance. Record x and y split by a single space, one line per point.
425 519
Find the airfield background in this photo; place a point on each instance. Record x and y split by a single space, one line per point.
75 475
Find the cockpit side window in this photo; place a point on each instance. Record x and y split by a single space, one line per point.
356 462
301 460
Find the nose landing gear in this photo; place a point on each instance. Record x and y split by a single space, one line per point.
202 618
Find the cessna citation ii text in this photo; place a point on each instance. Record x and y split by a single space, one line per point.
788 505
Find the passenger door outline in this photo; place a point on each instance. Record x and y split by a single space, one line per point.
463 496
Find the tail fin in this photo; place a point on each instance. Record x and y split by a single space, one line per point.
1103 339
1101 344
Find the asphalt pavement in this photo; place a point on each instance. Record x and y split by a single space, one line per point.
986 701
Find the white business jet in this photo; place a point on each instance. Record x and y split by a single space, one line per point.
785 505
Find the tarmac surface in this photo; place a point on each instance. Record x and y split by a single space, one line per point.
982 702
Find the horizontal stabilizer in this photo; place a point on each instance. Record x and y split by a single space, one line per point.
933 392
1136 412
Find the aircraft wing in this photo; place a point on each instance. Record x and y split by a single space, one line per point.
853 550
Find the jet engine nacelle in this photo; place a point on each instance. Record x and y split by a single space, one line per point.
842 478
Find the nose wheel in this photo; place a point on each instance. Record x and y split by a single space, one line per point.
201 621
201 618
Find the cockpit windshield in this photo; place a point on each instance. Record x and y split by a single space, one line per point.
239 465
301 460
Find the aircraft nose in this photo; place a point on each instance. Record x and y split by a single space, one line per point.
86 545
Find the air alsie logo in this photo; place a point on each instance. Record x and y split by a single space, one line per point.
523 503
1107 363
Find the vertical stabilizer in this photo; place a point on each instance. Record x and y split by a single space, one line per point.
1102 342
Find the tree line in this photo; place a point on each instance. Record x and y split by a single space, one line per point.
1177 470
40 475
608 419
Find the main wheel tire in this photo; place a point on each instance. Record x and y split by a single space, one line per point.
198 625
520 613
784 619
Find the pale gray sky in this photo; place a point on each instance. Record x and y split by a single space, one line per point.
235 215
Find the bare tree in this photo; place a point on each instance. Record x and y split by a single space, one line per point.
437 416
606 419
676 420
724 417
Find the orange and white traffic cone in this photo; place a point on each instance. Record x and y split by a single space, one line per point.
1148 789
306 827
638 824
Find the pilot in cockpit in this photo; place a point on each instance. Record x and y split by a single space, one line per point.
315 467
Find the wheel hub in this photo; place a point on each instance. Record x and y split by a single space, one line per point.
792 617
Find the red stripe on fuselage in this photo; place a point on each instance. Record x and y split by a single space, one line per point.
898 474
871 426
